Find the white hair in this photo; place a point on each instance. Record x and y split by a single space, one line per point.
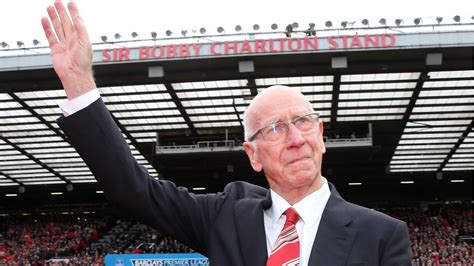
248 131
246 122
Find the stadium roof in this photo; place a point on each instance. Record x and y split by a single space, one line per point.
412 100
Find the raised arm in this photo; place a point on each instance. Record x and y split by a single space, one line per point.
71 50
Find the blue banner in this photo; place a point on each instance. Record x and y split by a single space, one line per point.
177 259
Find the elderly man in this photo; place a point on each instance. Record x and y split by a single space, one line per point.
301 220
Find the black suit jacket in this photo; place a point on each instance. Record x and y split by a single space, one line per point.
227 227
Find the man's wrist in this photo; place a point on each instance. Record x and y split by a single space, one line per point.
76 84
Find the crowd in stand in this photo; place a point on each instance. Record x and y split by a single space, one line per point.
77 241
33 242
440 237
134 238
437 238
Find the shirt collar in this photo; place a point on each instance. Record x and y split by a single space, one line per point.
279 206
310 208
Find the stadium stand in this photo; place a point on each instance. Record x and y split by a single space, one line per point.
80 241
444 238
441 236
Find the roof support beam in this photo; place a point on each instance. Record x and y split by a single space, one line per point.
411 105
416 92
180 107
335 99
252 86
38 116
134 142
237 114
456 146
11 178
34 159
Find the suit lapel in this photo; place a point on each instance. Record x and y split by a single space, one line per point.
334 237
248 216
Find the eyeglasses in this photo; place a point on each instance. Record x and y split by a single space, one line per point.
279 130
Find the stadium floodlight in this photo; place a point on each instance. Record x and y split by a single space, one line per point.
153 34
5 45
344 24
134 34
289 30
417 21
383 22
439 19
103 38
365 22
398 21
311 30
457 19
220 29
169 33
184 32
328 24
36 42
20 44
238 28
274 26
295 25
202 30
117 36
256 27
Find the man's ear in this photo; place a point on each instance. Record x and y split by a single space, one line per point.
251 152
321 137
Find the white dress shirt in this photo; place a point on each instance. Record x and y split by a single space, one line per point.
310 210
69 107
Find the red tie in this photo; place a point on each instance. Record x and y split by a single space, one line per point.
287 247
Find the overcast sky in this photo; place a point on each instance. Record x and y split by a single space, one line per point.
20 19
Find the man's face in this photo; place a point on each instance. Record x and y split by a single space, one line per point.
293 162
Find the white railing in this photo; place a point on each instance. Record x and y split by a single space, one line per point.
230 145
201 146
428 24
350 142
